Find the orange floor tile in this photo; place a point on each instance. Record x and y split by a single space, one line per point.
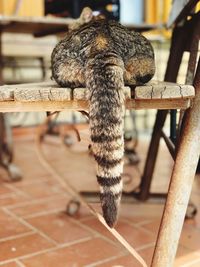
35 230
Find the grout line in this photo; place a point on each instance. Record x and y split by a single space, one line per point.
7 195
107 260
86 227
43 213
97 233
86 218
114 242
19 263
17 190
149 245
30 226
117 243
47 250
30 182
147 231
191 263
65 245
33 201
75 221
17 236
79 223
139 226
145 222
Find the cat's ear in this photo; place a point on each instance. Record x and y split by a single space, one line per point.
86 14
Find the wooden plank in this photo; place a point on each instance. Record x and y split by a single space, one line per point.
48 96
45 94
83 93
164 91
16 106
34 92
158 104
40 91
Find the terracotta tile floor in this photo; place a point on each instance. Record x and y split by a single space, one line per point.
35 230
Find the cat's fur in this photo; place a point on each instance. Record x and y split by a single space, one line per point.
103 56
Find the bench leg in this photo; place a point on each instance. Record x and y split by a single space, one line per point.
152 155
180 186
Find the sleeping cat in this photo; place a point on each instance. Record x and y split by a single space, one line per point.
104 56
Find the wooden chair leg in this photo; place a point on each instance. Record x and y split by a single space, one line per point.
152 155
6 150
180 185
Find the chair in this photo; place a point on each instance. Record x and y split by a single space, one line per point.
184 38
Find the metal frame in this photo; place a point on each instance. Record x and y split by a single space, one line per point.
184 38
180 185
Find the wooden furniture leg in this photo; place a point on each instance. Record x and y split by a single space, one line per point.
152 155
178 46
180 186
6 148
1 64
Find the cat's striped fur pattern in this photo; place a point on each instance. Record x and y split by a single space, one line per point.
103 56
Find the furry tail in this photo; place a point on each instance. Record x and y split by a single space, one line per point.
104 78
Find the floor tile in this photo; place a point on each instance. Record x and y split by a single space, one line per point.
4 189
59 227
152 226
188 259
139 212
41 190
23 246
40 200
12 199
135 236
49 204
129 260
10 226
190 238
11 264
77 255
125 261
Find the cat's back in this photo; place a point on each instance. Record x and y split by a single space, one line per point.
102 36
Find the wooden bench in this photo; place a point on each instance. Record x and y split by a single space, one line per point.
155 95
48 96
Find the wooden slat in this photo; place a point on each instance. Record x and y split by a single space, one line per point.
45 94
83 93
48 96
35 92
16 106
164 91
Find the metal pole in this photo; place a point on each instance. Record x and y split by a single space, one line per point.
180 185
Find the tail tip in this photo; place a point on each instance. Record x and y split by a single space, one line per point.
110 209
110 216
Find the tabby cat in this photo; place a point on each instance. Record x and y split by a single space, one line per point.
104 56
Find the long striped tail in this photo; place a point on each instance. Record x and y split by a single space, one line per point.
104 78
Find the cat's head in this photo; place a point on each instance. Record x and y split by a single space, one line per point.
85 17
